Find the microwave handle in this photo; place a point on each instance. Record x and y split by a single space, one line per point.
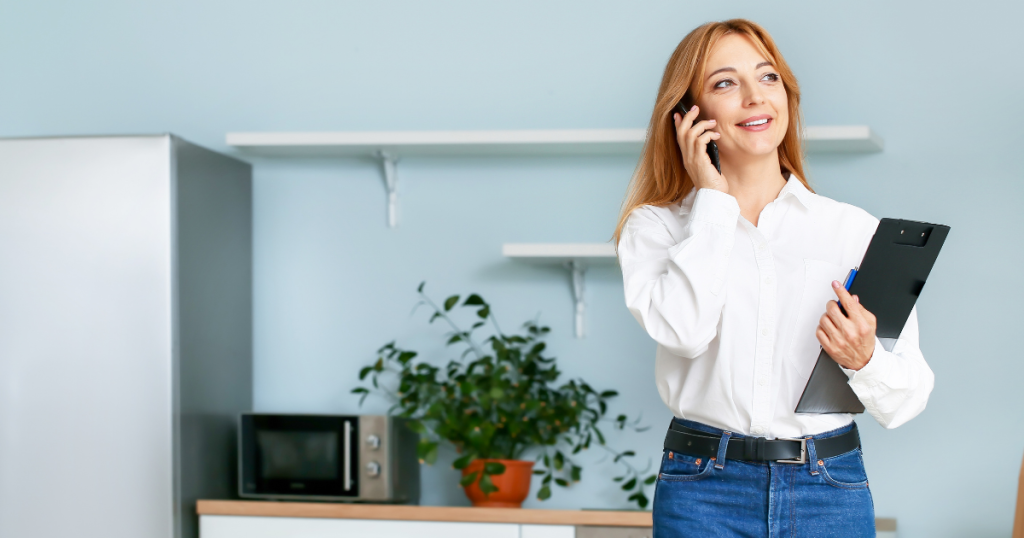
348 455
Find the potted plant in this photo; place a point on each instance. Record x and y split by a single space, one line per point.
500 400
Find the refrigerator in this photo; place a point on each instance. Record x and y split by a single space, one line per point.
125 333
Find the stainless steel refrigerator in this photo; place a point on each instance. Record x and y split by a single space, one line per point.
125 333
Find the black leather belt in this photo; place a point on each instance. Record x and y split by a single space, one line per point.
697 443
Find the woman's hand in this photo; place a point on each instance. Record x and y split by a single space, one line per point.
693 143
850 341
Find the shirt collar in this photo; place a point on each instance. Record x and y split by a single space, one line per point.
794 187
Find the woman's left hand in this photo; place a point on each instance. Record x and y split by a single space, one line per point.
850 341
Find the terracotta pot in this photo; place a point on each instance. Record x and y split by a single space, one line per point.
513 485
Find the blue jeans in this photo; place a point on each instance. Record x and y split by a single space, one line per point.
700 496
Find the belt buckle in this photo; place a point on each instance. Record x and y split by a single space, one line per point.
803 451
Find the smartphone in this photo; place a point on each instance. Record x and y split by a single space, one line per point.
712 147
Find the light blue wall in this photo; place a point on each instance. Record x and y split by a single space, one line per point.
940 81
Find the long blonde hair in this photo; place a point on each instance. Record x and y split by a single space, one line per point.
659 178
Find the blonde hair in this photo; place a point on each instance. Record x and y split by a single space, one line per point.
659 178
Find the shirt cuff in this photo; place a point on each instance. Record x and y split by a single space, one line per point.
715 207
876 368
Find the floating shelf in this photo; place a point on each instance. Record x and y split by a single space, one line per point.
575 257
443 143
389 146
843 138
560 252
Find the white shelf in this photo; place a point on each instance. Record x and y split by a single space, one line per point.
576 257
818 139
560 252
443 143
842 139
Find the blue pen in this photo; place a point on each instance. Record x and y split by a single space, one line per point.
850 277
849 281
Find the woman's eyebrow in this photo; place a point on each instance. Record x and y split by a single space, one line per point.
733 69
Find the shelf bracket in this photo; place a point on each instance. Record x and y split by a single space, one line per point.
577 271
390 164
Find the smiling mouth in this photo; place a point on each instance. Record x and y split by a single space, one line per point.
755 123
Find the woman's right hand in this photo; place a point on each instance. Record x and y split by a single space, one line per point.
693 143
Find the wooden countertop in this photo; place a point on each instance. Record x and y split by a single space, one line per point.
425 513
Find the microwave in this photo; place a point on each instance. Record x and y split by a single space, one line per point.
358 458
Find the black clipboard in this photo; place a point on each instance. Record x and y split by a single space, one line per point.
888 283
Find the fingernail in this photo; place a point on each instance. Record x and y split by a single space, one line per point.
712 121
692 108
835 284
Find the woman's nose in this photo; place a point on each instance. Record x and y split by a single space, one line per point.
753 95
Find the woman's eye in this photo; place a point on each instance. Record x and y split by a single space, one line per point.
723 83
771 77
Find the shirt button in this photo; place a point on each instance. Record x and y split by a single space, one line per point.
764 332
757 430
760 247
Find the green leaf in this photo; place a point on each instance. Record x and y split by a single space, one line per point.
450 302
474 300
640 498
651 479
360 390
453 339
576 472
365 372
486 485
420 289
463 461
629 485
625 454
406 356
562 482
484 312
544 493
469 479
559 461
538 471
493 467
426 451
416 426
435 316
609 394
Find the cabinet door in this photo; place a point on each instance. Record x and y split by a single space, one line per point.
300 527
547 531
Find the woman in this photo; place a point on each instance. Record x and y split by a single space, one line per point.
735 275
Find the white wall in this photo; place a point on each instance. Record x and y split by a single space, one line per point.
939 80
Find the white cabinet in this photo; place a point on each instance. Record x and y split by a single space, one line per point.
547 531
303 527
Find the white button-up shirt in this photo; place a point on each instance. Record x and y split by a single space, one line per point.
734 308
